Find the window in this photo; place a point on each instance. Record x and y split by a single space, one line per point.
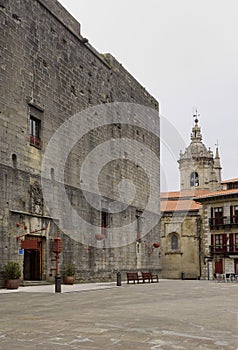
35 132
236 242
218 216
174 242
194 179
14 160
235 217
220 243
138 224
104 218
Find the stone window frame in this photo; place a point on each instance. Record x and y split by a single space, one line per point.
170 249
174 242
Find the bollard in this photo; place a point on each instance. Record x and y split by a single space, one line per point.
118 278
57 284
182 275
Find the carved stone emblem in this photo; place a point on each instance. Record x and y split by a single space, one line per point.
36 199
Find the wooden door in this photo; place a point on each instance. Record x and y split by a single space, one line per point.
218 216
219 266
32 269
236 266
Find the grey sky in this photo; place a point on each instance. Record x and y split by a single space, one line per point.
185 53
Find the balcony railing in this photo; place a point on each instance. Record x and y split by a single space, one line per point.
35 141
225 248
216 223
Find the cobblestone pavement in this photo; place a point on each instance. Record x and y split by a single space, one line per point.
172 314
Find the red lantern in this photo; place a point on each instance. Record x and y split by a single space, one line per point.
156 245
57 245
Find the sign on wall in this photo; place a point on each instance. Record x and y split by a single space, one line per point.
20 251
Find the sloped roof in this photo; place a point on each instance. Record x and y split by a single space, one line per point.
218 194
179 205
235 179
182 194
189 200
178 201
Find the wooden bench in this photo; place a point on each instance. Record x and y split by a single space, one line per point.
149 277
133 277
146 277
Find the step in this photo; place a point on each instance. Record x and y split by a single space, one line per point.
35 283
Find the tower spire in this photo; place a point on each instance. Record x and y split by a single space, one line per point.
217 163
196 135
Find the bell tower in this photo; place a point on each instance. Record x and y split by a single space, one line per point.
198 168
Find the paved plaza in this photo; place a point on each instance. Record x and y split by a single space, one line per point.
172 314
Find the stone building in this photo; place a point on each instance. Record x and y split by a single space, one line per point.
182 253
219 215
49 72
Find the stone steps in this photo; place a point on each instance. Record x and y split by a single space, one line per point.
34 283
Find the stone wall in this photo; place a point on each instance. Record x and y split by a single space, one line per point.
50 72
185 257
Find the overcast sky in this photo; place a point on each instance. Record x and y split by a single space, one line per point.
185 53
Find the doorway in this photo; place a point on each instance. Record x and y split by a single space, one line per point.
219 266
32 268
236 266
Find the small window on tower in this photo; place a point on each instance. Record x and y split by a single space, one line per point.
194 179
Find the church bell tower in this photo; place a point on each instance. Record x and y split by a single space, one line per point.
198 168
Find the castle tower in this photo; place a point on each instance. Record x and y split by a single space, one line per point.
198 168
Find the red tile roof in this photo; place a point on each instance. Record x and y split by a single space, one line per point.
183 194
179 205
219 193
235 179
178 201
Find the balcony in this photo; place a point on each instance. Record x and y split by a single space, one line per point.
225 249
35 141
223 221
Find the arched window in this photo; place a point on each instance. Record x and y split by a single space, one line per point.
174 241
194 179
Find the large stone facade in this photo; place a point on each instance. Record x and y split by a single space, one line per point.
49 72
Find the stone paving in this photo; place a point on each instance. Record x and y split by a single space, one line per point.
172 314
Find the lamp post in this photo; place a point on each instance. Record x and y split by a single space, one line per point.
57 249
